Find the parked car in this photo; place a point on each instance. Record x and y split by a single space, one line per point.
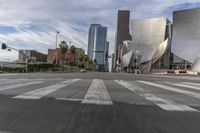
83 71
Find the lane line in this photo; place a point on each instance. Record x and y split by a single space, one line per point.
189 93
12 81
189 83
41 92
187 86
165 104
18 85
97 94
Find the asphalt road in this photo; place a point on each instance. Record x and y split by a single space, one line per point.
99 103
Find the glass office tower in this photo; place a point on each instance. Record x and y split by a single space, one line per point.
91 37
100 40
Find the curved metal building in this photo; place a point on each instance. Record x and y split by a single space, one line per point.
149 43
186 36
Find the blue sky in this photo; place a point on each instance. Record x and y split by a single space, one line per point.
32 24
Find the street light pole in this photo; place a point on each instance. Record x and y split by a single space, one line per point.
56 54
57 38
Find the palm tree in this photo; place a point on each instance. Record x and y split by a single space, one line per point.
81 58
86 58
90 62
73 51
63 49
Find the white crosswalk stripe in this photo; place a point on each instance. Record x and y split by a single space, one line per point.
186 86
97 94
11 81
39 93
189 93
163 103
193 84
18 85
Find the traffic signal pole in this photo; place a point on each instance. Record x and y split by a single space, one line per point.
4 46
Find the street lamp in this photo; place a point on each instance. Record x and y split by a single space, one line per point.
57 32
57 38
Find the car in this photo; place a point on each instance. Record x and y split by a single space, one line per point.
82 70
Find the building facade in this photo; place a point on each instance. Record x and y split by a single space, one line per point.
32 55
150 45
106 57
56 57
91 37
186 39
98 46
157 44
100 41
122 34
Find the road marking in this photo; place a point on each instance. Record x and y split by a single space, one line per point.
5 132
189 93
11 81
165 104
39 93
187 86
189 83
70 99
97 94
18 85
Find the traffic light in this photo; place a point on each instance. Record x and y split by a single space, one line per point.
3 46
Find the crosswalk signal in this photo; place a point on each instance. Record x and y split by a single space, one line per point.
3 46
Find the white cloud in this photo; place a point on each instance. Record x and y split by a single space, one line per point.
72 18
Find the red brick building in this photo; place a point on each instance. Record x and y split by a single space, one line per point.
55 56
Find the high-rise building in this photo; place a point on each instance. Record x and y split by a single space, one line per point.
106 57
122 34
100 41
98 46
113 63
91 37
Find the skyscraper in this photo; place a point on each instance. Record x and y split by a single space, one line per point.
91 37
106 57
100 41
98 46
122 34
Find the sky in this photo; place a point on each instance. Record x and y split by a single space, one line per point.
32 24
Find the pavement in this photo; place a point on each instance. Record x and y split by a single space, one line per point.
99 103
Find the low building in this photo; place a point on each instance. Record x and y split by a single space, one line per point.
55 56
32 55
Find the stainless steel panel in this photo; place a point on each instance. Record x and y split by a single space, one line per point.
186 34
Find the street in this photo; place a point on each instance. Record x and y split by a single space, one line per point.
99 103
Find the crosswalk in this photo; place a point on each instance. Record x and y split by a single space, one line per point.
99 92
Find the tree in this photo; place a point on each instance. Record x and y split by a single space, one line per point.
90 62
73 51
63 49
86 58
81 58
